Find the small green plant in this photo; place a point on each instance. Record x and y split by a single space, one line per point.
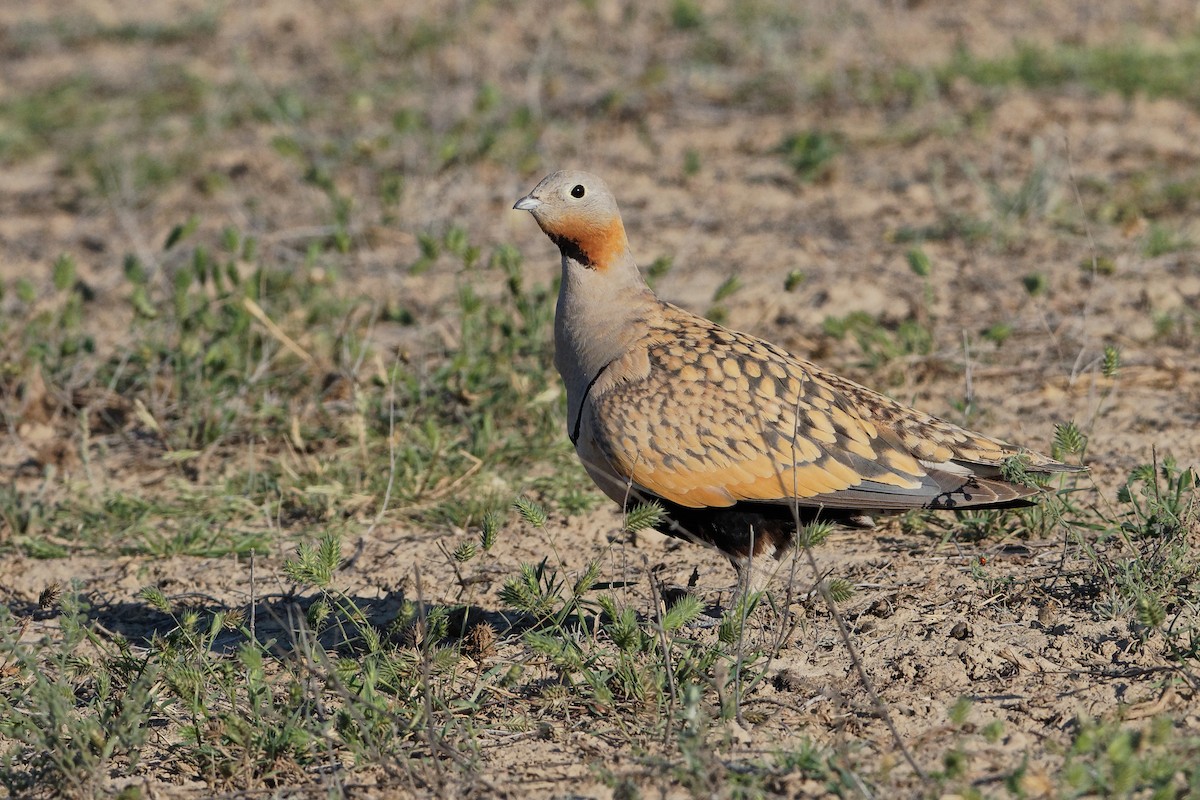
918 262
922 267
810 154
643 516
718 313
1068 441
1098 265
1152 575
1029 199
686 14
68 713
1111 363
998 333
1108 759
1035 284
1161 240
658 268
879 343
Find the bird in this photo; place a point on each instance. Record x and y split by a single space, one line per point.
738 441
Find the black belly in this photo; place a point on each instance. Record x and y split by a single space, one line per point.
767 528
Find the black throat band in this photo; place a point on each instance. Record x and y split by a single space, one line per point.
582 400
571 249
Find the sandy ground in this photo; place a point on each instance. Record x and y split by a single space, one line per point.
1015 625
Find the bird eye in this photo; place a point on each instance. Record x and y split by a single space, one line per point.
578 190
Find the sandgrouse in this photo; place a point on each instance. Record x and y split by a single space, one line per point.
730 434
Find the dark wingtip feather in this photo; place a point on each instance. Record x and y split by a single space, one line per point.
978 492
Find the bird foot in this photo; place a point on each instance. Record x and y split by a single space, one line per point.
709 618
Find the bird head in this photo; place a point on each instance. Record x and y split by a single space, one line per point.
580 215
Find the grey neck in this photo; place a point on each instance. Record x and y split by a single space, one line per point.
600 315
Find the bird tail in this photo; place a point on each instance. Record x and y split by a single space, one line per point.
977 492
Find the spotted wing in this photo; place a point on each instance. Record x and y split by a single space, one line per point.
709 417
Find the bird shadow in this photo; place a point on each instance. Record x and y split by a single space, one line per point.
281 622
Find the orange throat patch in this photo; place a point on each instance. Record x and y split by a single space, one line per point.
595 246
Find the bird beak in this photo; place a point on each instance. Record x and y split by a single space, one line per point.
527 203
